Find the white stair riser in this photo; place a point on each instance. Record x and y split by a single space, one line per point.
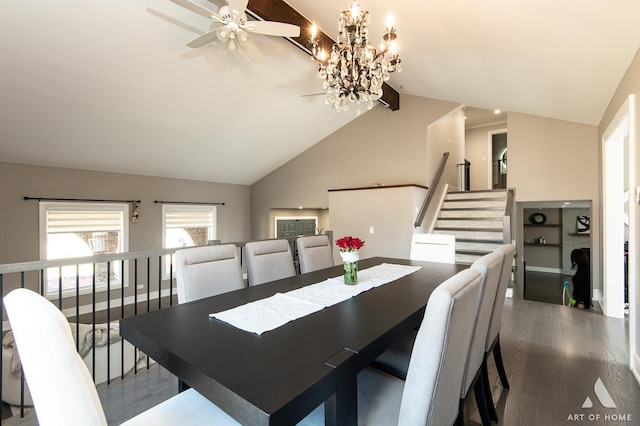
466 223
475 195
481 246
472 235
497 214
480 204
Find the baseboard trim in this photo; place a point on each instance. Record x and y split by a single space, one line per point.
544 269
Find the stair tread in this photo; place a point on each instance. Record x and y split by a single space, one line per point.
470 241
483 218
472 208
471 251
448 228
478 191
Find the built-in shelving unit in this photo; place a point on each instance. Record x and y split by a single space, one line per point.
545 257
542 245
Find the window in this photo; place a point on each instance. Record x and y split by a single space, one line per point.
82 229
187 226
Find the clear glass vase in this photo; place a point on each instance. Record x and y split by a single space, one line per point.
350 261
350 273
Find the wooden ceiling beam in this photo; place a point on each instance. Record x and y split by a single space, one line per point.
280 11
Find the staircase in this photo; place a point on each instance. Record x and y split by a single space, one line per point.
478 221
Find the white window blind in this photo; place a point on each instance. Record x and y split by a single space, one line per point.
69 221
189 218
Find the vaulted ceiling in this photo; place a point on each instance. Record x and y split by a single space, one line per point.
111 86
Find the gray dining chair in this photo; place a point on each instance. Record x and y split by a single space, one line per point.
207 271
60 383
268 260
490 267
492 344
314 253
429 396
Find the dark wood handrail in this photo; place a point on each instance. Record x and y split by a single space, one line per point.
430 191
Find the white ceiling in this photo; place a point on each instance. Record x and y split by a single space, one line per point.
111 86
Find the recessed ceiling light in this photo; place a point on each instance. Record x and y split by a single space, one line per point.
566 203
497 111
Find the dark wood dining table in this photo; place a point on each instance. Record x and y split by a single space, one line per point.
280 376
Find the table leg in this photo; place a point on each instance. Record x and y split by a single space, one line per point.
182 386
342 407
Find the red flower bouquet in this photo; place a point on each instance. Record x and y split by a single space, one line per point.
349 244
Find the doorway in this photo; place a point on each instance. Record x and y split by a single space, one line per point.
498 154
615 144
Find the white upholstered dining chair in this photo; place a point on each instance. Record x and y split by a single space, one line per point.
492 344
490 267
433 248
314 253
207 271
268 260
61 386
429 396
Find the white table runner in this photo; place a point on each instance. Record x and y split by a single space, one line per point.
275 311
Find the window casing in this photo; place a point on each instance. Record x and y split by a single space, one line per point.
83 229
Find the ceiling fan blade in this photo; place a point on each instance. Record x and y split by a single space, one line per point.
194 7
252 52
273 28
205 38
238 5
308 95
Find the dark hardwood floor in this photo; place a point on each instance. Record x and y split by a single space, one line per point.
545 287
553 356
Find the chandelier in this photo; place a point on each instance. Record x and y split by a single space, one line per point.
354 71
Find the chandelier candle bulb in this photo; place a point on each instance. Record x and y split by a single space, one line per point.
389 22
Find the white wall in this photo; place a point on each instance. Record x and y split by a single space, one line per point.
389 211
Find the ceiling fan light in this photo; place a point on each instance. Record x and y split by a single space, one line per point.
242 37
222 33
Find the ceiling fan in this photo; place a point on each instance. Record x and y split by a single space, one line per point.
230 25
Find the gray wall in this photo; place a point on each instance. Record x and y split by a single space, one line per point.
19 218
380 146
553 160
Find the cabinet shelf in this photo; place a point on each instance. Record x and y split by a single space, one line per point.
542 245
546 225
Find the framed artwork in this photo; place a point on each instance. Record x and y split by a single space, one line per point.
583 225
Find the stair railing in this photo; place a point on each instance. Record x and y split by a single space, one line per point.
507 225
430 191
